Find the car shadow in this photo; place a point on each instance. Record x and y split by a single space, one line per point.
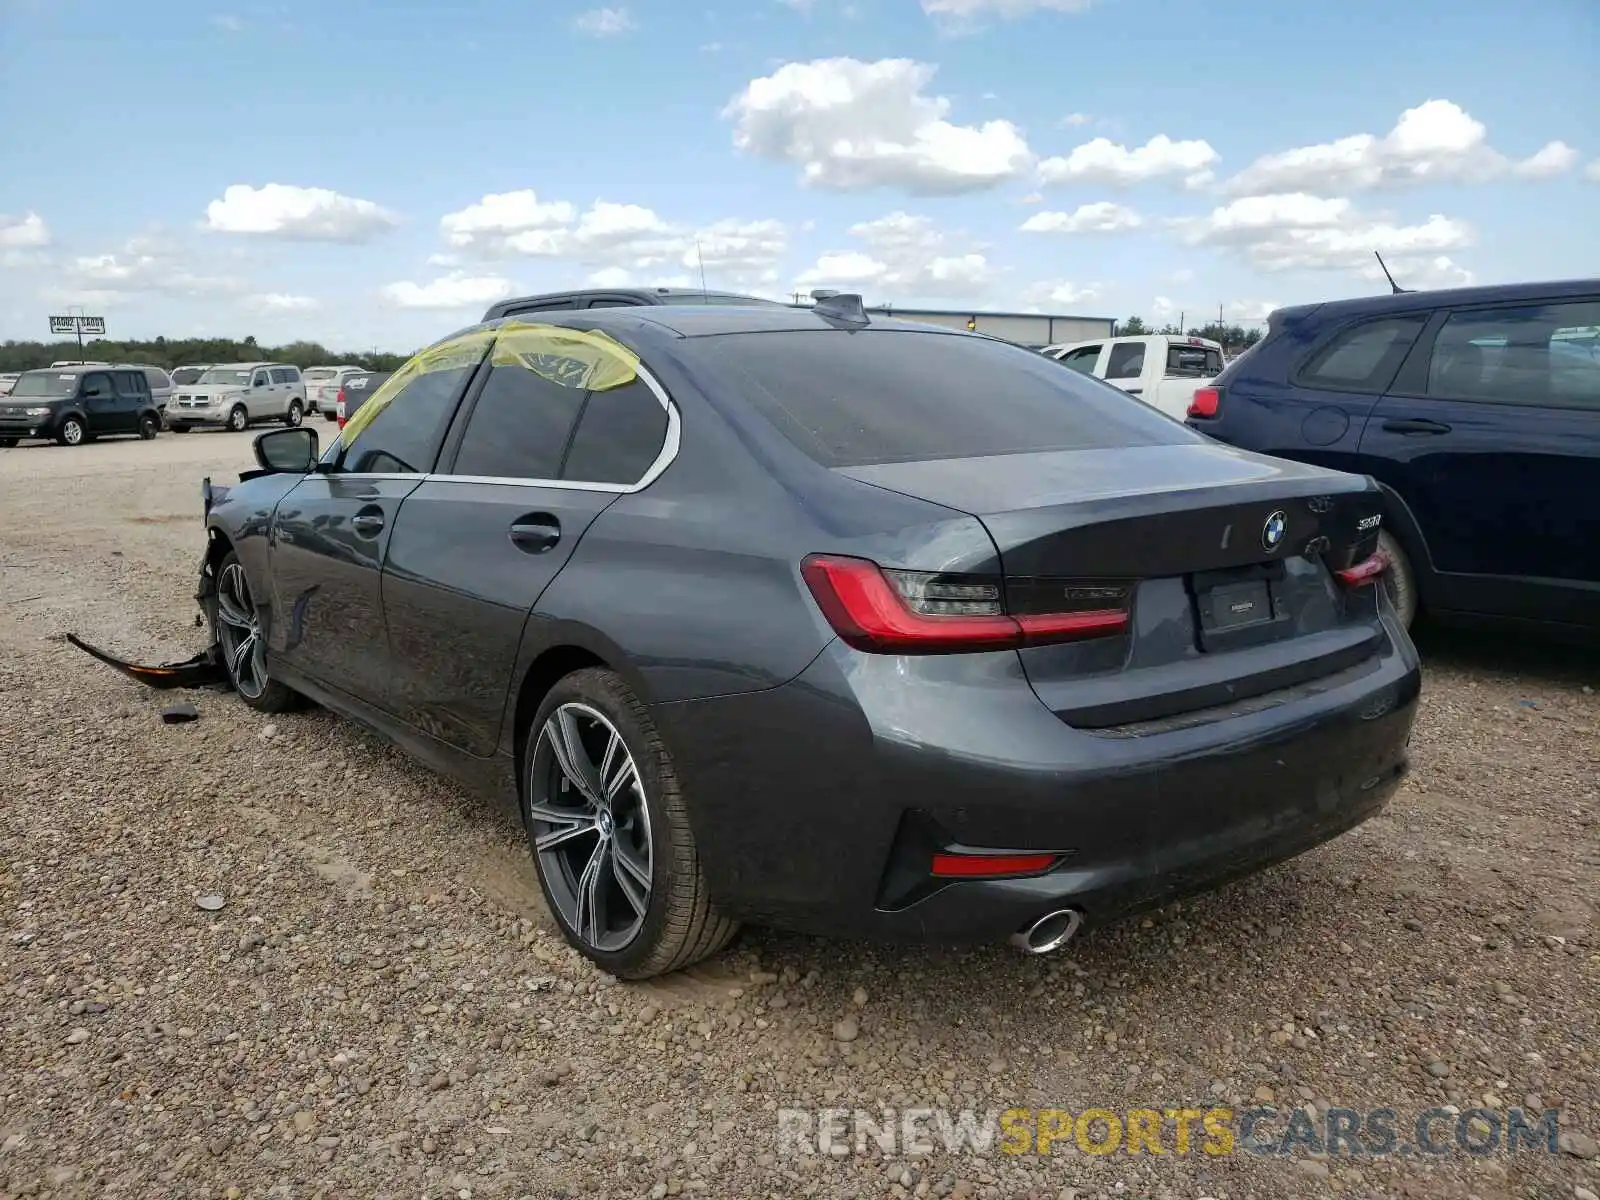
1497 652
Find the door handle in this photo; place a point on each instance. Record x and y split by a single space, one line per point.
1138 391
369 521
1415 425
535 533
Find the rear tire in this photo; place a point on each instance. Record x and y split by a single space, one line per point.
148 427
1400 580
674 923
238 418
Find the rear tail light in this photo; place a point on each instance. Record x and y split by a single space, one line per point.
1206 402
915 612
1368 570
949 865
339 408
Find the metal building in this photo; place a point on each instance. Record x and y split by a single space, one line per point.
1029 329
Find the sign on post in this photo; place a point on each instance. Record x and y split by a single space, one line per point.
78 326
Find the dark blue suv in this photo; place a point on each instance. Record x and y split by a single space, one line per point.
1477 409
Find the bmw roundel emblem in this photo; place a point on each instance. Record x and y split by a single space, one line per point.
1273 531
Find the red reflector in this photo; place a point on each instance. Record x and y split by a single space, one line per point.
1205 402
981 866
1364 572
867 612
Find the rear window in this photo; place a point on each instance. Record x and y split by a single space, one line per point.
869 397
319 374
1193 362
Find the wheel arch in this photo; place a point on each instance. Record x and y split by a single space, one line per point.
1402 522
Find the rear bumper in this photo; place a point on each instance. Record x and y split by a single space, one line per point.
815 804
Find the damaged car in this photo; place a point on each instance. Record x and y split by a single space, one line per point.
822 621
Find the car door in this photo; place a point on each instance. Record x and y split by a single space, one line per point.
98 396
132 399
1491 437
535 457
1125 367
330 534
258 397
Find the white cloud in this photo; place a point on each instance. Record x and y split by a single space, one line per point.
604 22
965 16
1435 142
308 214
1592 171
27 232
1075 120
1556 158
280 302
1300 231
634 240
1101 217
456 290
903 254
227 22
144 265
1060 294
1103 161
851 125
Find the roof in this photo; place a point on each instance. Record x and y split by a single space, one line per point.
1561 289
689 321
891 309
645 296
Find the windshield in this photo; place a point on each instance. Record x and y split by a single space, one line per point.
225 375
187 374
45 383
318 374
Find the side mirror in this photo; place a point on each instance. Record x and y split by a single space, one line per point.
288 451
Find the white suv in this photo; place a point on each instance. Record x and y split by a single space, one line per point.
323 385
237 394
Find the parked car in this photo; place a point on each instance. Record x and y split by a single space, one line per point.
322 387
631 570
621 298
73 405
238 394
356 391
8 380
1161 370
1478 412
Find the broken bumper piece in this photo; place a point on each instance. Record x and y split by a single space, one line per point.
203 670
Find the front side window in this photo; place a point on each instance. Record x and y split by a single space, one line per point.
1082 359
260 379
892 396
96 387
1528 354
398 430
1365 357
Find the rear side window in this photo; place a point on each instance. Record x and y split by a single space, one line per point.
1126 361
1529 354
1193 362
869 397
619 436
1365 357
283 375
519 426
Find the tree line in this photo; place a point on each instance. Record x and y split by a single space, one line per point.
168 353
1232 337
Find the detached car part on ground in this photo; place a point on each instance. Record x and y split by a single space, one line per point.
859 629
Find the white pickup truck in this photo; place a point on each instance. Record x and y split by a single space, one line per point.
1161 370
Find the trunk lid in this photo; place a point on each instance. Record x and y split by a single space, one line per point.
1225 559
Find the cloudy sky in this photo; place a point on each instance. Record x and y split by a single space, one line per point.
375 174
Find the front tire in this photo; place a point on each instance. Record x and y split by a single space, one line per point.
1400 580
7 443
238 418
72 432
609 833
148 427
237 630
295 414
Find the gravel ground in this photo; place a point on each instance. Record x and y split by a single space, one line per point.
381 1008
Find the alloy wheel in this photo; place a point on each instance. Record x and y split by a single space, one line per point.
590 827
238 420
239 632
72 433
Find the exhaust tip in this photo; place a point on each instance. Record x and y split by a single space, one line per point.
1049 933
